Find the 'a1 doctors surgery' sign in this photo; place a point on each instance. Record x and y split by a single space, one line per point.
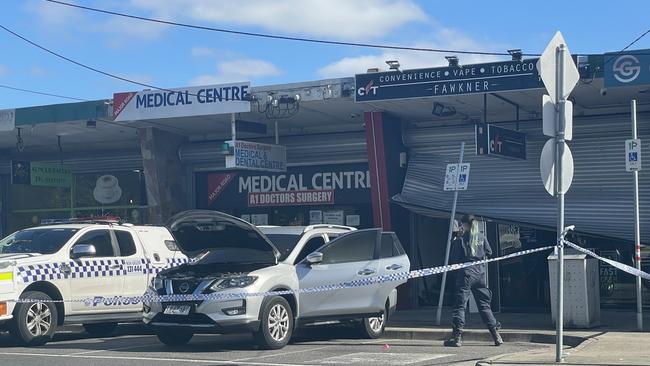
182 102
255 156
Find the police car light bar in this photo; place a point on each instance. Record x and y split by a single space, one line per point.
84 220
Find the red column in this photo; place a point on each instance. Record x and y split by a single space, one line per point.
377 168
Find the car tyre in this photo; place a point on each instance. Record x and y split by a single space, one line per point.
178 338
100 329
34 323
276 326
373 328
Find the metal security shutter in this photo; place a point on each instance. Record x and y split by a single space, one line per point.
82 163
600 200
307 149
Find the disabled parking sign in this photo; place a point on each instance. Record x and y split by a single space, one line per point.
457 177
633 155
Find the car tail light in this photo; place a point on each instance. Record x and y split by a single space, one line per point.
3 308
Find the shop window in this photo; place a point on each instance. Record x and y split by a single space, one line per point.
101 240
125 242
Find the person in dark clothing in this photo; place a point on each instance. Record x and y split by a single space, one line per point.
468 246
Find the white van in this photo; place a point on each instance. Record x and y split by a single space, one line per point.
88 273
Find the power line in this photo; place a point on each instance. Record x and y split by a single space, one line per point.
637 39
41 93
286 38
114 76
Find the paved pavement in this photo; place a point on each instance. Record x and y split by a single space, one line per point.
318 346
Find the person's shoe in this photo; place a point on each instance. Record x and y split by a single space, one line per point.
496 337
456 339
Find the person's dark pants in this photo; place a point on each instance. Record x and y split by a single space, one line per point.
474 282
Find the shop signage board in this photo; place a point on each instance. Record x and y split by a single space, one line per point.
181 102
335 217
255 156
633 155
457 177
628 68
7 119
501 142
40 174
445 81
321 185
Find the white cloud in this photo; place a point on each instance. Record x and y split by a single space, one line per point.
54 14
37 71
444 38
238 70
4 70
342 19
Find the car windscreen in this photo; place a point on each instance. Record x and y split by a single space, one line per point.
42 241
232 255
284 242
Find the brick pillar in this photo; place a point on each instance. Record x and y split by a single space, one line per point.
384 144
163 172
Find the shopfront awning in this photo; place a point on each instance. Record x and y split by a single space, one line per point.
513 192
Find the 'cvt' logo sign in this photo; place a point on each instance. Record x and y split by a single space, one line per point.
369 89
626 68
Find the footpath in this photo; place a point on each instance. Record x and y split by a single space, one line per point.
614 341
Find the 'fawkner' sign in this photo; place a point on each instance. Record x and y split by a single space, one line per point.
256 156
182 102
443 81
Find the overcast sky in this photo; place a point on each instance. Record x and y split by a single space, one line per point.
174 57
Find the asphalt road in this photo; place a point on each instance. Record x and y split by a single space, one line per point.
325 346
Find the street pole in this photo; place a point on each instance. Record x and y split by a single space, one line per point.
233 127
637 233
449 235
559 153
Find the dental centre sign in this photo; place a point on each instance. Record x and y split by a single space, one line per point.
181 102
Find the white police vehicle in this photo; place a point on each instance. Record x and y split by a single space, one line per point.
103 264
232 258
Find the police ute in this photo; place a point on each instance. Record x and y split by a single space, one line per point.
79 271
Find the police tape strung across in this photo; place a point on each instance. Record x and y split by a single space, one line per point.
124 300
217 296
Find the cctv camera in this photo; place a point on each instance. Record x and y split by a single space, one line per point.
603 92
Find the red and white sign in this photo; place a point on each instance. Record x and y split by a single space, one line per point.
217 183
291 198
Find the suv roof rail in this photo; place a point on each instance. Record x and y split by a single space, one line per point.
329 226
106 220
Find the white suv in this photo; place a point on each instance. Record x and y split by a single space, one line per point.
232 256
103 263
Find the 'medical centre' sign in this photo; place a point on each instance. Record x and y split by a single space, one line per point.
183 102
443 81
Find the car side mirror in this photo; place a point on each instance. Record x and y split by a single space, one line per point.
315 258
83 250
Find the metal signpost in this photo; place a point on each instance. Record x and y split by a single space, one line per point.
633 164
560 75
456 179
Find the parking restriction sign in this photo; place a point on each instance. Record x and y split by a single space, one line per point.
457 177
633 155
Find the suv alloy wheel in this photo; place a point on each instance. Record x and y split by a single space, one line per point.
276 327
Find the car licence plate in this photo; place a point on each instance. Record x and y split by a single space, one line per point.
177 310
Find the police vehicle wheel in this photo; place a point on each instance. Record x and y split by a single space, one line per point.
177 338
35 322
373 328
100 329
276 328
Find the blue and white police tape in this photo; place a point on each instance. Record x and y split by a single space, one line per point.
623 267
219 296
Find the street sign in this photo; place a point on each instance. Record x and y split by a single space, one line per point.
457 177
547 167
445 81
633 155
501 142
629 68
547 66
7 119
549 118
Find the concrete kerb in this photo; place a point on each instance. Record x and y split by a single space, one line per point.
524 336
585 341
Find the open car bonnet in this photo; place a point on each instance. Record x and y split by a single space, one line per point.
198 231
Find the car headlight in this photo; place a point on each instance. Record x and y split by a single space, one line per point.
233 282
157 284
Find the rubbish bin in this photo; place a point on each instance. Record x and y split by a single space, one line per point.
581 289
